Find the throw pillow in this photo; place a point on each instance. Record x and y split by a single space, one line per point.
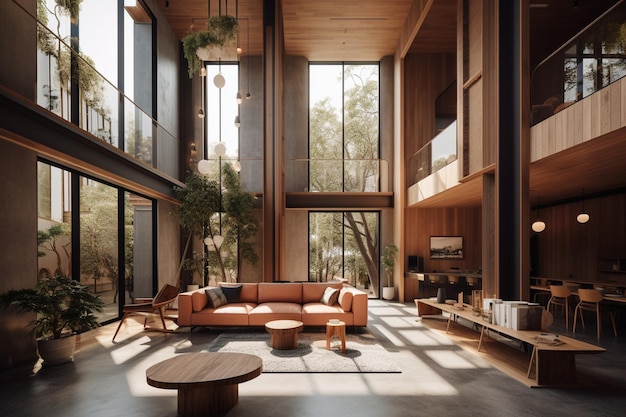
330 296
232 293
345 299
216 297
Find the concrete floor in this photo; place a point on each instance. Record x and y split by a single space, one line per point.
438 379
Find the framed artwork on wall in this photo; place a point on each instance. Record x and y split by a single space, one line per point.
446 247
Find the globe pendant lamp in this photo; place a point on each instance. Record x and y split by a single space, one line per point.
583 217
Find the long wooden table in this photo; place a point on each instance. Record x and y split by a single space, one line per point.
207 382
549 365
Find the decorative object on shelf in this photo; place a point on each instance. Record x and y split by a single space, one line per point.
63 308
446 247
441 295
388 262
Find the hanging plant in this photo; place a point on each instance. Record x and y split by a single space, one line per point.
220 30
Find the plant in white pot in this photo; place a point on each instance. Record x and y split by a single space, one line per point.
219 32
63 308
388 261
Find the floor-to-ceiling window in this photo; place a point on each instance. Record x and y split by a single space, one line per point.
96 233
345 245
344 152
221 114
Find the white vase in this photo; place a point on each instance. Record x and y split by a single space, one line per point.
389 293
57 351
192 287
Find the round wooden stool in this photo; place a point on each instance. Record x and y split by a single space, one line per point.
338 329
284 333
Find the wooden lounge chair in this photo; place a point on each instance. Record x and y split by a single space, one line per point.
156 308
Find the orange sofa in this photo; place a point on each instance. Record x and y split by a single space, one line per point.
259 303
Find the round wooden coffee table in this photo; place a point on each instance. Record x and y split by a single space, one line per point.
284 333
207 382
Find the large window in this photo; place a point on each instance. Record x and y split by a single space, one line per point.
344 127
345 245
106 242
344 151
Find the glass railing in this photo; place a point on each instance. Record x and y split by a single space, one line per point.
62 73
433 156
337 175
590 61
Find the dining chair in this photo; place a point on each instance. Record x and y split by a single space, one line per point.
155 308
559 296
591 300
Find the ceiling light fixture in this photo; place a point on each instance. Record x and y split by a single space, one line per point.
583 216
538 225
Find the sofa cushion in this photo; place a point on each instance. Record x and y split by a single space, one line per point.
330 296
318 314
312 291
215 297
199 300
287 292
345 299
232 292
266 312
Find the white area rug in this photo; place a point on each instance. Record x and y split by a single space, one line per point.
311 355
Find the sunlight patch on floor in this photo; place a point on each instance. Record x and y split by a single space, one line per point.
423 337
396 322
450 360
123 353
389 335
384 311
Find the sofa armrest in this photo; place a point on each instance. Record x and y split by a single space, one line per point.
359 305
185 308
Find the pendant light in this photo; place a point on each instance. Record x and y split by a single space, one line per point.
202 78
219 81
583 216
538 225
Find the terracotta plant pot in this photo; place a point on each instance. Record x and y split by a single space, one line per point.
57 351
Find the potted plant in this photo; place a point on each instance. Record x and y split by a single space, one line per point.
220 30
63 308
388 261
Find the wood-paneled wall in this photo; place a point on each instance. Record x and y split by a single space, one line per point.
420 224
426 76
596 115
567 249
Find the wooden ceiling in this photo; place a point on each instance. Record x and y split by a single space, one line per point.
320 30
366 30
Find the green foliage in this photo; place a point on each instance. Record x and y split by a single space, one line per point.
199 200
239 221
61 304
205 210
72 7
220 29
50 241
388 260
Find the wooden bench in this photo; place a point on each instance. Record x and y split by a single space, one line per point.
549 365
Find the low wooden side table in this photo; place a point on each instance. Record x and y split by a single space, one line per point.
336 329
207 382
284 333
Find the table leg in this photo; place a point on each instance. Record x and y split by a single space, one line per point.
480 341
205 401
555 367
532 359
